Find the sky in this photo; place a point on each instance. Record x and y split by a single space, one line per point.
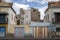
41 5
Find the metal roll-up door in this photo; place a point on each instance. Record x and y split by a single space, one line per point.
40 32
32 31
19 32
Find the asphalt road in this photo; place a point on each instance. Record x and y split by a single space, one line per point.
29 38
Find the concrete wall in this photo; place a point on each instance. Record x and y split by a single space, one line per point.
50 12
10 15
27 17
48 16
26 28
4 4
35 15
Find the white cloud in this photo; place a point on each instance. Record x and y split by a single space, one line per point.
21 5
42 10
30 0
17 7
8 0
41 1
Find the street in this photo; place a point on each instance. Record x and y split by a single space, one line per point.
29 38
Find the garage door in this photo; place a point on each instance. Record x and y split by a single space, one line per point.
41 32
2 31
19 32
38 32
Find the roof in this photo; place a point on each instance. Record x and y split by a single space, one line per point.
9 7
5 4
55 4
4 13
46 10
18 16
40 24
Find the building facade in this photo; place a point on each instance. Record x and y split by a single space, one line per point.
7 17
32 25
35 15
26 16
22 13
40 29
52 15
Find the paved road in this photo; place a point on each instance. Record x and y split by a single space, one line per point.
29 38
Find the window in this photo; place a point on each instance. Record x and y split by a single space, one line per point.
33 10
39 15
57 17
26 16
21 22
12 17
35 20
0 0
2 18
18 22
48 17
58 29
2 29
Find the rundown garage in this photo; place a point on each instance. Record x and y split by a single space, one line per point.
40 29
41 32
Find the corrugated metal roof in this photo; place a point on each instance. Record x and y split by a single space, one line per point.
40 24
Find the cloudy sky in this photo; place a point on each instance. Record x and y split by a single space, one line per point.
26 4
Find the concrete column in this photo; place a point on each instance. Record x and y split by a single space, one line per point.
34 32
37 31
43 32
46 32
0 9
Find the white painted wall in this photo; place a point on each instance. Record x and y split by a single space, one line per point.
12 14
27 17
51 14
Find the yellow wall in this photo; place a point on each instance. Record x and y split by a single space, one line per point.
6 25
26 27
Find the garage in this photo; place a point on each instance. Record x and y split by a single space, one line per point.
38 32
40 29
2 31
41 32
19 31
32 31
